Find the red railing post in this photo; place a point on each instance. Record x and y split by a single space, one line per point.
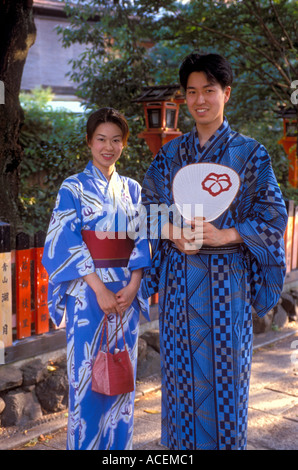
288 237
23 285
295 240
41 317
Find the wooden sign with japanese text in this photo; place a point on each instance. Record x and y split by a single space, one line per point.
6 297
5 288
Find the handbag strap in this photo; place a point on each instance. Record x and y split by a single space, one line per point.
105 326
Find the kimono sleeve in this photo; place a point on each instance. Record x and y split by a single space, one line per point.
262 220
66 256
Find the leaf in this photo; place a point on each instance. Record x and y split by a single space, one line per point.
151 411
31 443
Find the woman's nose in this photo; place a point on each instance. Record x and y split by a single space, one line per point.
108 145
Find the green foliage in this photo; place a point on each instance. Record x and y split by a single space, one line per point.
54 147
258 37
114 67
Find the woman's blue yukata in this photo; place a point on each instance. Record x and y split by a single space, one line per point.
206 300
88 202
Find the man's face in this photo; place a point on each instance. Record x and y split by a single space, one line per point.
206 100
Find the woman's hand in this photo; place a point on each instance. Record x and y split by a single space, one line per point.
106 299
126 295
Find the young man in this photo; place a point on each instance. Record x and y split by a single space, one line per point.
206 295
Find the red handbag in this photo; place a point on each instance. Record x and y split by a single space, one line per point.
112 373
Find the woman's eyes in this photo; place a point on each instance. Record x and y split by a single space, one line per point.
100 139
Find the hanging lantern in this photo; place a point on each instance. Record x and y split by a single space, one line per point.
161 110
289 142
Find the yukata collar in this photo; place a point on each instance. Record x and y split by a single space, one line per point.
196 152
220 132
99 175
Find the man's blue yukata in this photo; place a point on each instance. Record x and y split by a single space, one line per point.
206 300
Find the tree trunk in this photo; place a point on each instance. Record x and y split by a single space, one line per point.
17 35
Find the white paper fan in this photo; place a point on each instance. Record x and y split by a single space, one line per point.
204 189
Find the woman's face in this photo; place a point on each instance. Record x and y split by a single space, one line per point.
106 146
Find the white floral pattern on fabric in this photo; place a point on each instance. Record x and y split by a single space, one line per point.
87 201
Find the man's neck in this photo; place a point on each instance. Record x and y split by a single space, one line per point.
206 131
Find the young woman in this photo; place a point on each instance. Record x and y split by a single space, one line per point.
95 271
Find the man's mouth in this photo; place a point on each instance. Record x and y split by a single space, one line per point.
201 110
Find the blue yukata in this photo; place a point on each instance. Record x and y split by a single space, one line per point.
88 203
206 299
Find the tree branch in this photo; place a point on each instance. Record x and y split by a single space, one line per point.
281 25
239 40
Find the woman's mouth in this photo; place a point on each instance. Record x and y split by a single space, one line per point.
107 156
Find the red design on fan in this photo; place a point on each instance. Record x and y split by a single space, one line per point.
216 184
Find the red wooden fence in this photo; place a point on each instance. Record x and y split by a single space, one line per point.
24 285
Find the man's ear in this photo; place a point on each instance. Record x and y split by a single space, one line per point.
227 93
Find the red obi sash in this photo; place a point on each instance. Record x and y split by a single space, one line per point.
108 252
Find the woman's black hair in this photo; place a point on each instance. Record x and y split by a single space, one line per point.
216 68
105 115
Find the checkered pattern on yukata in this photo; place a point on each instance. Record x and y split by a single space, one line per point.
176 361
232 353
223 348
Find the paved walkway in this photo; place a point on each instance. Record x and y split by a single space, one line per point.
273 405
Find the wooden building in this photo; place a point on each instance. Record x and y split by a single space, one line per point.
47 64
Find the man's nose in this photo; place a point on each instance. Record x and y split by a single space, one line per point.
200 98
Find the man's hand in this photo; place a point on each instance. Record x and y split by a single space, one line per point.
190 239
184 238
212 236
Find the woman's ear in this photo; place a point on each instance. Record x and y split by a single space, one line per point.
87 141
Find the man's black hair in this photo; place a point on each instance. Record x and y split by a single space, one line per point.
216 68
